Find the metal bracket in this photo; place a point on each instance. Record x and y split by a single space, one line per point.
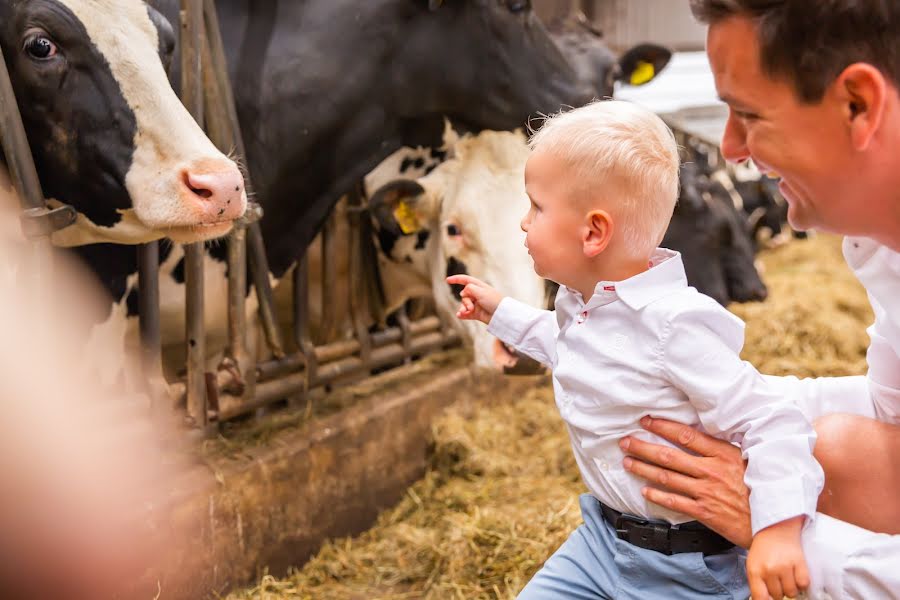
40 222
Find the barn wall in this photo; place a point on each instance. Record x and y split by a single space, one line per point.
629 22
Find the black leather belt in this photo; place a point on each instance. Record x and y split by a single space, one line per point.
663 537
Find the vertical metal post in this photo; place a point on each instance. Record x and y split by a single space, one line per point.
301 320
328 326
359 306
37 221
148 302
192 97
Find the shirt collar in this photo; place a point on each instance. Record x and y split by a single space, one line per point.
665 275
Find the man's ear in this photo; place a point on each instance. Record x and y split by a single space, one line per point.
598 232
862 91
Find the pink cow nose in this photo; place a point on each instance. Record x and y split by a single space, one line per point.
216 191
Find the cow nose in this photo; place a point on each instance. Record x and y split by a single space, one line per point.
216 191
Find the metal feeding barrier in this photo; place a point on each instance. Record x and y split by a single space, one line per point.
296 365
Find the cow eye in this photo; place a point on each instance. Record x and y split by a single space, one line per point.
453 230
40 47
517 6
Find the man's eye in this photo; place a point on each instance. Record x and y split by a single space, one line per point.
747 116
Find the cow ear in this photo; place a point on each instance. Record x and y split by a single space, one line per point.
165 34
642 63
397 206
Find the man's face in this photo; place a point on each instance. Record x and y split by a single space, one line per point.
807 145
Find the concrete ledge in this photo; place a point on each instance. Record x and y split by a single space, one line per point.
272 503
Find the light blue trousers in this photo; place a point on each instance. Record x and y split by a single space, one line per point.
593 563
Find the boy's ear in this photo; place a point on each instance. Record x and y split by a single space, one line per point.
598 232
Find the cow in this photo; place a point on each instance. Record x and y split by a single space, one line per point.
102 122
110 138
461 217
714 240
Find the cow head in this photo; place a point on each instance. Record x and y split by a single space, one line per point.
713 240
108 134
584 47
455 47
465 217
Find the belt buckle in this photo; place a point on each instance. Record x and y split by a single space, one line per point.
651 535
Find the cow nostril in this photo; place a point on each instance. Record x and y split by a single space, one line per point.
202 192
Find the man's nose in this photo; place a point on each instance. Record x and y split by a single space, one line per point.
523 224
734 140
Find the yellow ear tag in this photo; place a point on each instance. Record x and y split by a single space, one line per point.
406 218
643 73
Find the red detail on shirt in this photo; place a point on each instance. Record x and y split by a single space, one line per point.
609 288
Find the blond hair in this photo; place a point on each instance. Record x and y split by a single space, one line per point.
625 149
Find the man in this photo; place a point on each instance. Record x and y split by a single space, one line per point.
812 89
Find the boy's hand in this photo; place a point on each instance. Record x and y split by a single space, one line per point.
775 564
479 300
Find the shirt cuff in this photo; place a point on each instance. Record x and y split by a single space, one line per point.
506 322
776 501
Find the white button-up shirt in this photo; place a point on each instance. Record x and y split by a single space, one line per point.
846 561
651 345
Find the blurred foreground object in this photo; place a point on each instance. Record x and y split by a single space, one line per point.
85 494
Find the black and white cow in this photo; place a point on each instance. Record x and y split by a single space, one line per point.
714 240
108 134
110 138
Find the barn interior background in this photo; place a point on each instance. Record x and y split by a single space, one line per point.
325 435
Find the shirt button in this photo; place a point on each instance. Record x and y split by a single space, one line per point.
604 466
582 317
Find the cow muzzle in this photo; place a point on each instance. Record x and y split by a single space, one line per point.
212 195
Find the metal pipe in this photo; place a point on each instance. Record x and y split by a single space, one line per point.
301 322
342 349
192 97
15 145
329 319
148 320
259 267
272 391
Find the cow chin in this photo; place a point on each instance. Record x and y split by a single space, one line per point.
199 233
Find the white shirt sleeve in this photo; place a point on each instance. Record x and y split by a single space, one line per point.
821 396
700 354
529 330
846 561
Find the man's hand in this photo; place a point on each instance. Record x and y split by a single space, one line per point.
479 300
709 487
775 563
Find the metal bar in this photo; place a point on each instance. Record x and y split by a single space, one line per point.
259 267
276 390
342 349
192 97
301 321
15 145
359 299
148 321
329 319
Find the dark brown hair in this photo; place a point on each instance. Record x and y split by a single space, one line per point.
811 41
